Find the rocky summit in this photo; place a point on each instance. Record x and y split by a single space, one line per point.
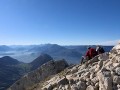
100 73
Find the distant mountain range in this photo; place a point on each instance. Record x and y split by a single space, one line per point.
27 53
4 48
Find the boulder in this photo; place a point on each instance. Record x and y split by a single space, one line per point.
63 81
74 70
90 87
81 85
117 70
104 56
116 79
74 87
105 80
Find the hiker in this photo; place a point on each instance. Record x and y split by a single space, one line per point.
89 55
99 49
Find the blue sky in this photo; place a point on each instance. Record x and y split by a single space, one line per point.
64 22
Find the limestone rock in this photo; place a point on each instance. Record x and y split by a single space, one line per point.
81 85
90 87
104 56
116 79
63 81
74 87
117 70
117 47
74 70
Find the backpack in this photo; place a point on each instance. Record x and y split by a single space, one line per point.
100 50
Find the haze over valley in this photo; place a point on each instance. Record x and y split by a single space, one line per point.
27 53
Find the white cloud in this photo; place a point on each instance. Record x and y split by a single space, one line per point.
114 42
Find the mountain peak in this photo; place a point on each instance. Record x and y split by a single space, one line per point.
7 60
43 58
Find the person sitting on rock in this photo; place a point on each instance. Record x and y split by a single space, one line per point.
100 50
91 53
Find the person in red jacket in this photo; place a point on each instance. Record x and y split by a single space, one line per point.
91 53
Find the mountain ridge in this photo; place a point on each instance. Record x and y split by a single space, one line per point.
46 70
11 69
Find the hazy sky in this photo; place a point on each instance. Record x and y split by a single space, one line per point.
64 22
